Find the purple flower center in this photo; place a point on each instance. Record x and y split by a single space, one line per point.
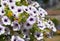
26 36
49 22
28 24
12 7
24 30
2 11
10 0
0 5
14 39
16 24
19 10
5 20
40 13
34 11
30 8
4 4
0 29
31 19
38 35
26 9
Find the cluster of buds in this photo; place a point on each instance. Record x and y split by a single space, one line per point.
23 22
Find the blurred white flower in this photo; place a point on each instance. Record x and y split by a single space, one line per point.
31 7
26 37
4 3
27 25
2 12
35 4
41 25
16 38
10 2
7 31
25 8
19 9
42 10
42 15
25 31
53 28
38 36
6 20
15 25
2 29
50 22
31 20
12 7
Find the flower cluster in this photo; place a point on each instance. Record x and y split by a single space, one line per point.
23 21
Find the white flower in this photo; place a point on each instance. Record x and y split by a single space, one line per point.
41 25
25 31
6 20
53 28
2 12
35 4
4 3
2 29
31 20
7 31
19 9
38 35
42 10
42 15
10 2
50 22
12 7
26 37
25 8
15 25
16 38
31 7
27 25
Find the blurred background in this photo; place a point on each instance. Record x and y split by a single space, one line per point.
53 9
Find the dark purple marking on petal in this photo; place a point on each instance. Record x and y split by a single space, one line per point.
26 9
28 24
19 10
5 20
38 35
34 11
31 19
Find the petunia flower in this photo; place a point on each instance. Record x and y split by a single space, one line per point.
25 8
12 7
53 28
10 2
38 35
7 31
31 20
19 9
35 4
42 10
6 20
2 12
26 37
2 29
16 38
4 3
30 7
25 31
15 25
27 25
